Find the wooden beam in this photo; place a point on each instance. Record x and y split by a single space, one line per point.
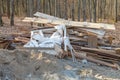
70 23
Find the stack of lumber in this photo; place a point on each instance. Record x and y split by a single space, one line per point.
85 37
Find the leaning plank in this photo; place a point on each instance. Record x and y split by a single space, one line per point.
70 23
45 16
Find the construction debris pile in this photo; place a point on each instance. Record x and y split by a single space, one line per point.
82 40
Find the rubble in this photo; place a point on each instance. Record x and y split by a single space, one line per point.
78 35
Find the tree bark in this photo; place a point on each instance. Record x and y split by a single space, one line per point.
8 8
84 10
31 4
59 9
73 10
49 5
78 10
1 24
12 12
65 10
116 10
94 10
90 10
38 5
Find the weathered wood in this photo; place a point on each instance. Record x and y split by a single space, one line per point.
92 41
22 39
110 53
70 23
78 55
99 33
74 23
117 51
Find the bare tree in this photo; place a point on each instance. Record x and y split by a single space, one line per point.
30 5
116 10
12 12
73 10
8 8
94 10
90 10
78 10
65 9
38 5
84 9
49 5
1 24
59 8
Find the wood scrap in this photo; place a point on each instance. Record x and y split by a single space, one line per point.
70 23
22 39
109 53
84 36
78 55
117 51
92 41
75 23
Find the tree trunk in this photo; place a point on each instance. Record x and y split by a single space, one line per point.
94 10
8 8
1 24
116 10
12 12
84 10
31 4
90 10
59 8
65 10
73 10
38 5
49 5
78 10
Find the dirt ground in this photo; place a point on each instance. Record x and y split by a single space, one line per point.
34 65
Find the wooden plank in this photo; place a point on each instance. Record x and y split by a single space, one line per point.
78 55
92 41
110 53
22 39
46 16
70 23
117 51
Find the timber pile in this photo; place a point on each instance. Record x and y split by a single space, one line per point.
86 38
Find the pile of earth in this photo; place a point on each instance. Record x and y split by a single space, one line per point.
34 65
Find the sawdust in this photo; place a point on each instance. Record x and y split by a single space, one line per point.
34 65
